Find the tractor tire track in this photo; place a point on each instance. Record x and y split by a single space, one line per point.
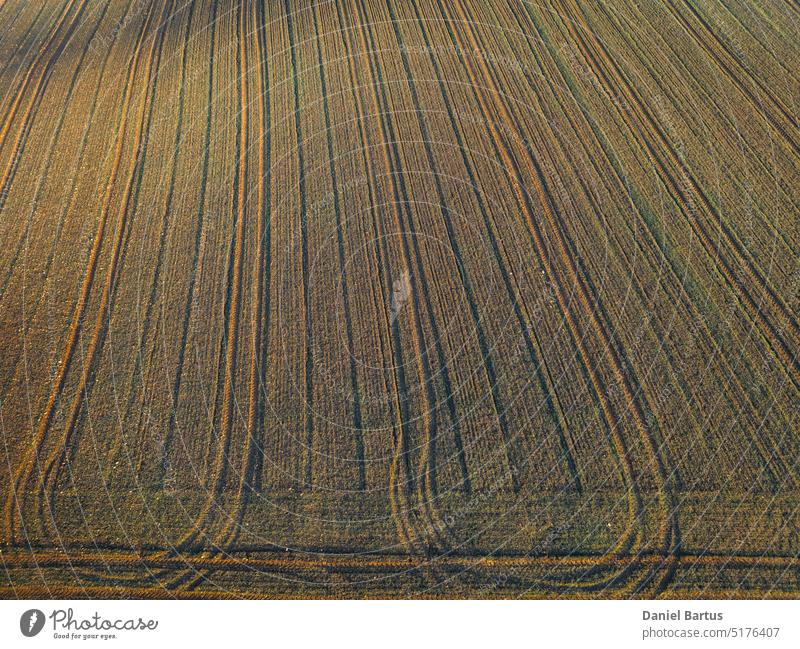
402 489
668 522
398 502
62 453
686 295
726 62
41 82
775 341
15 501
219 469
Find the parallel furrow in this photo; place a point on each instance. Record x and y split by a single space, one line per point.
776 342
31 461
668 524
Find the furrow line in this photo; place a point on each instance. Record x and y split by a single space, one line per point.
775 341
398 505
219 469
725 60
687 297
403 490
359 436
32 67
668 524
61 454
15 501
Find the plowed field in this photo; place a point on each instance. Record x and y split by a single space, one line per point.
399 298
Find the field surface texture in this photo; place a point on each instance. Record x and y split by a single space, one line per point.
399 298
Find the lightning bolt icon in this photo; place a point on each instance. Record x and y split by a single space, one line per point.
32 620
